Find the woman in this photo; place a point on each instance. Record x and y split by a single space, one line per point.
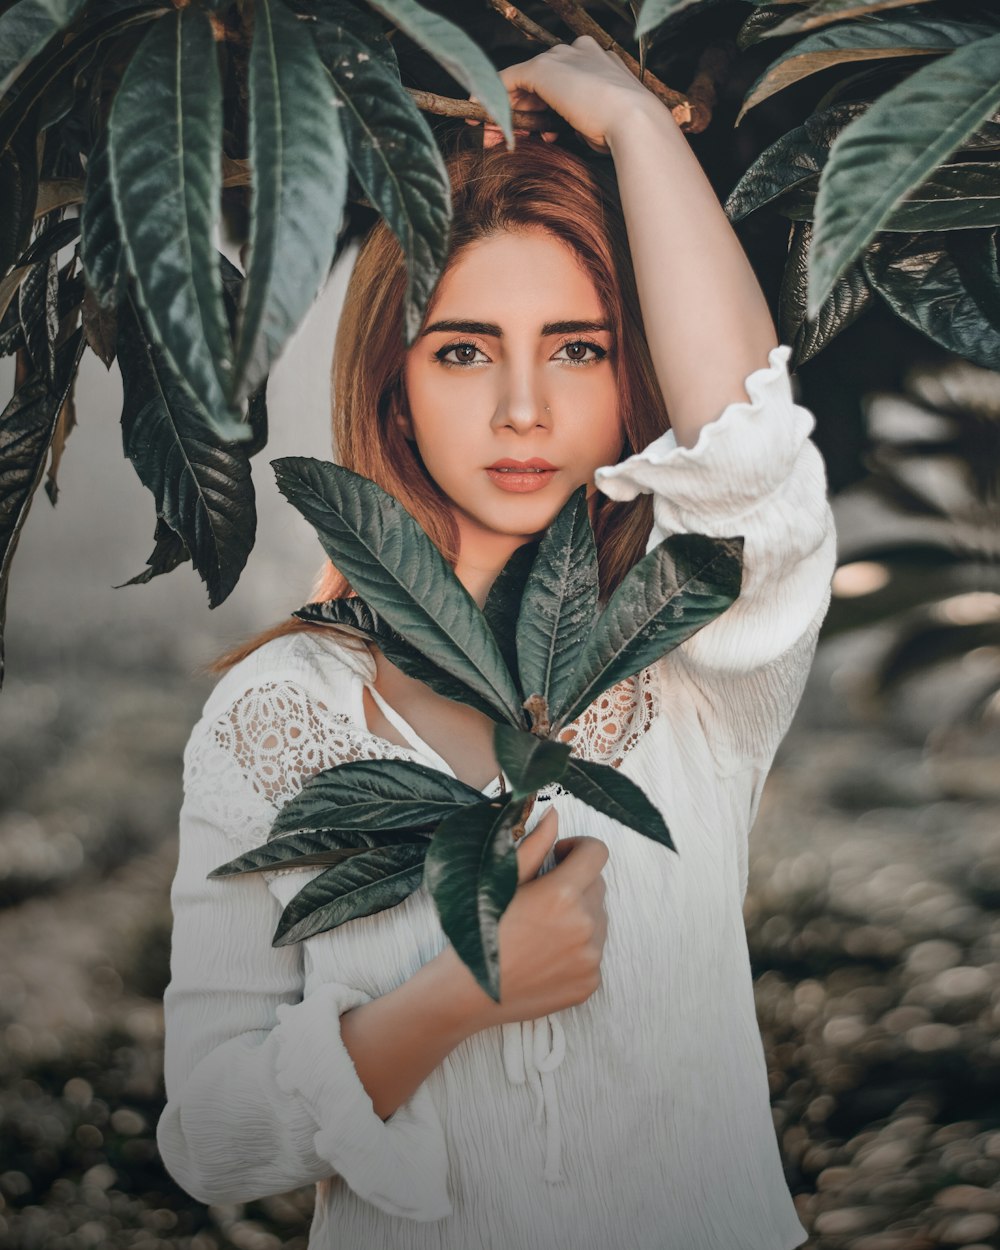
617 1094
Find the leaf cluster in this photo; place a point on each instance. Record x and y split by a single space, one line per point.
538 654
892 184
287 124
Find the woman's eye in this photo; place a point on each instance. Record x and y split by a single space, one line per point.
599 351
443 352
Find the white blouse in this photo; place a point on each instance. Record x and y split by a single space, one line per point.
638 1118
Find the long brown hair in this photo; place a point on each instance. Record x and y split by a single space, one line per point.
536 185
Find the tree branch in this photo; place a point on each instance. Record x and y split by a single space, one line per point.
523 23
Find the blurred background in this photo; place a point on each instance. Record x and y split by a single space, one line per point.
873 907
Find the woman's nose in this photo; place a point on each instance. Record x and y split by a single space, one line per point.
522 411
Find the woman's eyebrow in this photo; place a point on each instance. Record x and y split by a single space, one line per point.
490 328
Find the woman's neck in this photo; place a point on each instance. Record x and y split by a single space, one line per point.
482 554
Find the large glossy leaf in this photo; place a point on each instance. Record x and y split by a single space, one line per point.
330 20
201 483
893 148
164 144
394 566
756 26
797 157
852 294
299 188
26 28
396 159
974 255
18 188
38 308
529 761
314 847
374 794
608 791
34 83
168 554
680 586
559 606
655 12
963 196
922 34
452 48
822 12
357 617
503 603
921 284
471 873
100 242
27 427
359 886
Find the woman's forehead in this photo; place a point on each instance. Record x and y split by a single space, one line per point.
532 274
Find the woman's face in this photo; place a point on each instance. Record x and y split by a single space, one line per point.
513 370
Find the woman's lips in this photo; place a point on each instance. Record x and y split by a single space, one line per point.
521 476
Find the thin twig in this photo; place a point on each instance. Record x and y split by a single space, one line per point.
523 23
522 119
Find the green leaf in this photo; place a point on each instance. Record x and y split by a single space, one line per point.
655 12
27 426
395 157
559 606
394 566
894 147
314 847
963 196
26 28
529 761
919 280
201 483
359 886
164 152
820 12
504 602
851 296
452 48
168 554
471 873
611 793
680 586
299 189
876 38
374 794
795 158
331 20
100 243
357 617
974 255
18 187
38 307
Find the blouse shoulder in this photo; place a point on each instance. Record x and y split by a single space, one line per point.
313 660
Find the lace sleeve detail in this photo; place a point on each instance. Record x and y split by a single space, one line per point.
276 735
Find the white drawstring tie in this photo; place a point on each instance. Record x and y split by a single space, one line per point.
532 1050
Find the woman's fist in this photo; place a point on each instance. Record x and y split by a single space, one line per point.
551 936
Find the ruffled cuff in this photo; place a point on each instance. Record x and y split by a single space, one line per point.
739 458
400 1164
753 473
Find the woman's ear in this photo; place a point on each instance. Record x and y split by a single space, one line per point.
401 419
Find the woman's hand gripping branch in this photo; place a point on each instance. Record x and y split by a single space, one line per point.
551 942
584 83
